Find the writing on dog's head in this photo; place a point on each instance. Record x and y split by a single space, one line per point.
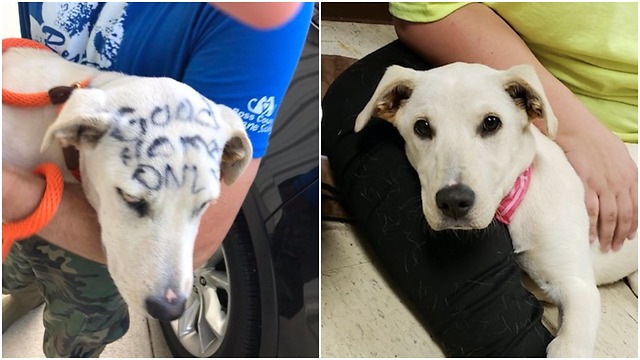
467 131
152 155
87 116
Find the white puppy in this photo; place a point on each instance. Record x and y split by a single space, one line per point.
469 136
152 154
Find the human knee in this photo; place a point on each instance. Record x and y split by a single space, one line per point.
73 333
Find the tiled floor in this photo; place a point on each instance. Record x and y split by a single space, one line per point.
361 315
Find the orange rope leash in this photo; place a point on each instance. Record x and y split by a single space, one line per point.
38 99
54 96
32 99
19 42
48 206
54 187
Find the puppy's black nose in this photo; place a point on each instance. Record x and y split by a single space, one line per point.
455 201
166 308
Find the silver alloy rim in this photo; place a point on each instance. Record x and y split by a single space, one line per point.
202 327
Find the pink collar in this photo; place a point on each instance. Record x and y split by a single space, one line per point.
509 203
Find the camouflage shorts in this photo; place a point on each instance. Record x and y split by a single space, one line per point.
84 311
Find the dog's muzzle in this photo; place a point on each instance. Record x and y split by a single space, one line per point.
166 308
455 201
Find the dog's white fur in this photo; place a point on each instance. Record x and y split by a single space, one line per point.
550 228
121 124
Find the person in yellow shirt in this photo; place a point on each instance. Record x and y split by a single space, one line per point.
466 285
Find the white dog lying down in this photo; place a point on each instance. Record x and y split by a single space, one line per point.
152 153
469 136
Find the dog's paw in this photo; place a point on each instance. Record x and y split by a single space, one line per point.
561 347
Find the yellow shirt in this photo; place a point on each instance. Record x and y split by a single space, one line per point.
591 47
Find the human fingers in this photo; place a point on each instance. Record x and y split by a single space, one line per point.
623 224
607 219
592 203
633 230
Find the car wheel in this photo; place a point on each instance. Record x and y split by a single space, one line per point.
222 315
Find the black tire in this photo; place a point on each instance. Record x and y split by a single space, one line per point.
242 336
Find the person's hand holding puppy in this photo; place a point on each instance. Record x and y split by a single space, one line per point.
610 178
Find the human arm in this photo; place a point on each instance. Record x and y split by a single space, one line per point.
234 79
219 217
75 226
600 159
260 15
254 86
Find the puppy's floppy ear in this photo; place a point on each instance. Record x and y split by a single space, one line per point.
524 87
83 119
237 150
395 87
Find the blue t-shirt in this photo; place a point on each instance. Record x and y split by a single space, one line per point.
246 69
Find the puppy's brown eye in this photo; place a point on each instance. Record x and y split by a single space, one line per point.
423 129
490 125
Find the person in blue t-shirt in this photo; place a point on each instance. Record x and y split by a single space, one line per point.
238 55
